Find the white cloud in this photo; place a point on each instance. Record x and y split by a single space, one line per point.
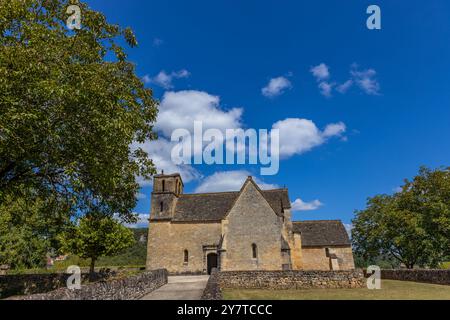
160 152
164 79
365 79
320 72
141 196
334 129
326 88
298 136
146 79
142 221
300 205
344 87
348 227
229 181
276 87
179 110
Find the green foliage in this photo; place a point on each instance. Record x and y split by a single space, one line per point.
96 236
71 107
412 226
26 233
134 256
383 261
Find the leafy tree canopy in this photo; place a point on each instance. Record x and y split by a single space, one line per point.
412 226
70 108
96 236
28 232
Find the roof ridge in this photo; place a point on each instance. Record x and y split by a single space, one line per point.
279 189
208 193
227 192
315 221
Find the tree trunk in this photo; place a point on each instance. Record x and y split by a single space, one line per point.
92 267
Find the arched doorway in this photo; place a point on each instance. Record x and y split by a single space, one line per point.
212 262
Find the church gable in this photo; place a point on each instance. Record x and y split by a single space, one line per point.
251 194
252 232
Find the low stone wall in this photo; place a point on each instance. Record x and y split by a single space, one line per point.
188 273
283 280
129 288
28 284
212 290
435 276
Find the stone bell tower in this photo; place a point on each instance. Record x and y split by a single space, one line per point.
166 190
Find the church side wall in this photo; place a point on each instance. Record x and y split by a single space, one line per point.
346 254
296 252
314 258
167 242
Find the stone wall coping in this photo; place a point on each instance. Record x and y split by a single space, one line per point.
129 288
281 280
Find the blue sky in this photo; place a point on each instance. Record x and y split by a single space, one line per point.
395 108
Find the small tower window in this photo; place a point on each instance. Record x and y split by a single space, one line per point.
186 257
161 209
164 185
254 251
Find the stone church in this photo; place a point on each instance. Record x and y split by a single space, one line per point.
246 230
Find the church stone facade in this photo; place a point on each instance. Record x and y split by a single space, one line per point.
235 231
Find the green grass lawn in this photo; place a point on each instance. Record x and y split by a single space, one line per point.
391 290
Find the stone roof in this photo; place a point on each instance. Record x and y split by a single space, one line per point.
215 206
204 206
322 233
278 200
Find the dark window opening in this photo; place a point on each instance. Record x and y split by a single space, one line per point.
164 185
254 251
186 256
161 206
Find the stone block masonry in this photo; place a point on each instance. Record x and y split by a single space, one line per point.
281 280
436 276
130 288
28 284
213 290
284 280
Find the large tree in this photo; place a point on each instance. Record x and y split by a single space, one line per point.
95 236
29 226
412 226
70 107
428 194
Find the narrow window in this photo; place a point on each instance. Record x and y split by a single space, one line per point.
327 252
161 206
164 185
186 256
254 251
